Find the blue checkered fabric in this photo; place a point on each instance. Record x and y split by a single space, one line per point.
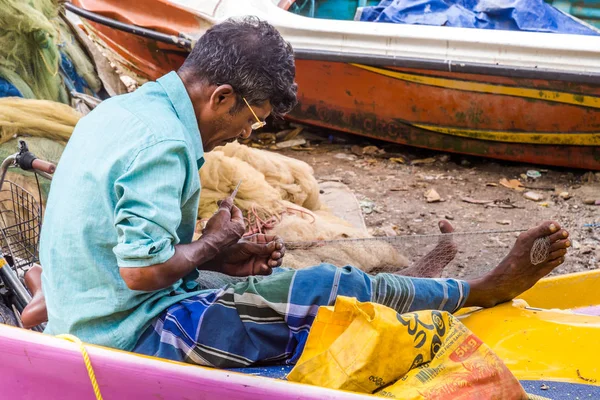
263 321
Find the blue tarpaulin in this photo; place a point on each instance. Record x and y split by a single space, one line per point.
513 15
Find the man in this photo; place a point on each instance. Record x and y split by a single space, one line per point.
119 261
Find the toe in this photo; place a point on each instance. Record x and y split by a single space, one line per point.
557 254
446 227
559 235
544 229
560 244
551 265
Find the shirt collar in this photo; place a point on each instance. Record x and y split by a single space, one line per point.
178 95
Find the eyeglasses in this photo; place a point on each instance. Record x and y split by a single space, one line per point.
258 124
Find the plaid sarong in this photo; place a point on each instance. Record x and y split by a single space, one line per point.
267 320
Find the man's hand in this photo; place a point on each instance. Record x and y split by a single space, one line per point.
254 255
222 231
226 227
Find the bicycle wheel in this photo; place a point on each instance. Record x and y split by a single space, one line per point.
7 317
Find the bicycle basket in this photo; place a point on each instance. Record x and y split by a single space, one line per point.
20 223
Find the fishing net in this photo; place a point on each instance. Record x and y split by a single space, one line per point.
272 184
278 195
326 244
220 174
275 189
71 47
459 254
29 57
41 118
293 178
51 125
455 255
32 36
540 250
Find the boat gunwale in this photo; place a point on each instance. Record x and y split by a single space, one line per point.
38 350
529 55
448 66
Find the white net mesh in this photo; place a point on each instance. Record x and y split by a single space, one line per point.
540 250
453 255
415 255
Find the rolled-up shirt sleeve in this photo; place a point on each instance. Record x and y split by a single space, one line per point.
148 208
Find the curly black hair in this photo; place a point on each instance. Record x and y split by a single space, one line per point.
252 57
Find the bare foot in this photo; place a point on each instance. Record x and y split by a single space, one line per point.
434 262
515 274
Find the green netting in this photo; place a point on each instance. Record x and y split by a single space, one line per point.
29 56
32 36
71 47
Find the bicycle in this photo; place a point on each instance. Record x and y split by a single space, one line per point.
20 224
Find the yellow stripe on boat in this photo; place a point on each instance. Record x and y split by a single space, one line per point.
479 87
572 139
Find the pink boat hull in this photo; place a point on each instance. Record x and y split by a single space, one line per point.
38 366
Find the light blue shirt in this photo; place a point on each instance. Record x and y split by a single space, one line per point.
125 192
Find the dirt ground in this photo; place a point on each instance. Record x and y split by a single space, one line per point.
391 183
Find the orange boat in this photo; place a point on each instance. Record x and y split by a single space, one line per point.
518 96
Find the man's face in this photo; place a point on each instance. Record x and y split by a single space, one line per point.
218 126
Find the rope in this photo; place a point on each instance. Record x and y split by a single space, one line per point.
310 243
88 364
258 225
48 66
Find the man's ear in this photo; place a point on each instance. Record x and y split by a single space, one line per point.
223 97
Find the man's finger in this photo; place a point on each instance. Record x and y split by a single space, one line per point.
252 238
236 214
279 250
258 249
222 214
273 238
261 238
265 270
275 263
240 228
226 204
277 255
272 246
280 246
261 268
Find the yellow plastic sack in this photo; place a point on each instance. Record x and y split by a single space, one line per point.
369 348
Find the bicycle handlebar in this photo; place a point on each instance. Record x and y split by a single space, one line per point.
27 160
43 166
